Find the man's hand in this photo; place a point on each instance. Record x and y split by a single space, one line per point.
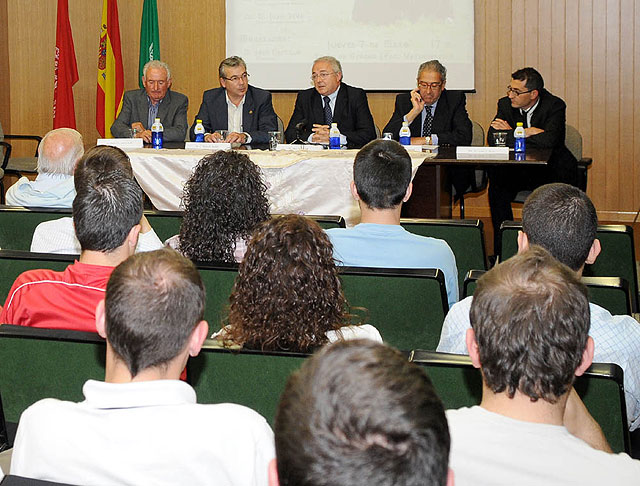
213 137
417 104
499 124
141 132
532 131
235 137
320 133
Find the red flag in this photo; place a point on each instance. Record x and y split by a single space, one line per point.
110 71
66 71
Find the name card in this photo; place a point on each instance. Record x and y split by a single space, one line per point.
413 148
298 146
209 146
123 143
496 153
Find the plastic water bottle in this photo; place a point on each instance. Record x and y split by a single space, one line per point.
405 134
518 134
334 137
199 131
157 131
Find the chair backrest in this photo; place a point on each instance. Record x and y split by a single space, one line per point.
573 141
459 384
17 224
464 236
165 223
280 128
477 139
218 279
12 480
46 363
13 263
324 221
407 306
617 258
612 293
251 378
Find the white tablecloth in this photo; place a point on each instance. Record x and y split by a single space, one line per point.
300 182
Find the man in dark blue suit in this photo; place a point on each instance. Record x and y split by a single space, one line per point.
245 111
331 101
436 114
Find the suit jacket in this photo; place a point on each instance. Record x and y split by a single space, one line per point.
549 115
450 122
258 117
351 113
172 113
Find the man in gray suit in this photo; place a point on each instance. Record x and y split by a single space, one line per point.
141 106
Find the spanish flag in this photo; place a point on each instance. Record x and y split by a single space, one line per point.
110 71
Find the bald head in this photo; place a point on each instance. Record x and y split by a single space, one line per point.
59 151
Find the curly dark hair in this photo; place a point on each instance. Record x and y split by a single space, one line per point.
223 200
288 293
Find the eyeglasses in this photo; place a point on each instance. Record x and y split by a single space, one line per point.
322 75
424 85
516 92
235 79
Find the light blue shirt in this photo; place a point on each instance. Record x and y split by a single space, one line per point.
616 339
391 246
47 191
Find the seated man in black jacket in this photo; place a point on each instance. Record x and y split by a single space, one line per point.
331 100
544 119
432 111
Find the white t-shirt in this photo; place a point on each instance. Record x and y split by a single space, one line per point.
59 236
490 449
146 433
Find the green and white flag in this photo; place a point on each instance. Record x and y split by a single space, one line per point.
149 38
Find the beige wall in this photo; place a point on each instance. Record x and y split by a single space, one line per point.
587 50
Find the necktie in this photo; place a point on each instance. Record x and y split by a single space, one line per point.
525 116
327 111
428 121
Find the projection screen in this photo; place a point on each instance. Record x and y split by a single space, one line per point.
380 43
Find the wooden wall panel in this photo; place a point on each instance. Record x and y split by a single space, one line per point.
587 50
5 96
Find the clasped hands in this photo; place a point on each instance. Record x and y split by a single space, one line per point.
502 125
232 137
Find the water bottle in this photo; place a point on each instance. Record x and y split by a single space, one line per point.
405 134
518 134
199 131
334 137
157 131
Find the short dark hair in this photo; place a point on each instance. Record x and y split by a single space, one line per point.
153 302
562 219
223 200
382 173
288 294
531 320
105 209
359 413
532 78
99 160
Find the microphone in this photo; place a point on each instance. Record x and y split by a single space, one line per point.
299 128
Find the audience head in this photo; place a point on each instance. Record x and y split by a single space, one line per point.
524 90
223 200
359 413
59 151
432 79
154 301
156 79
326 75
562 219
530 316
105 210
382 174
287 294
233 76
100 160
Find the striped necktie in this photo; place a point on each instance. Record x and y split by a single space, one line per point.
327 111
